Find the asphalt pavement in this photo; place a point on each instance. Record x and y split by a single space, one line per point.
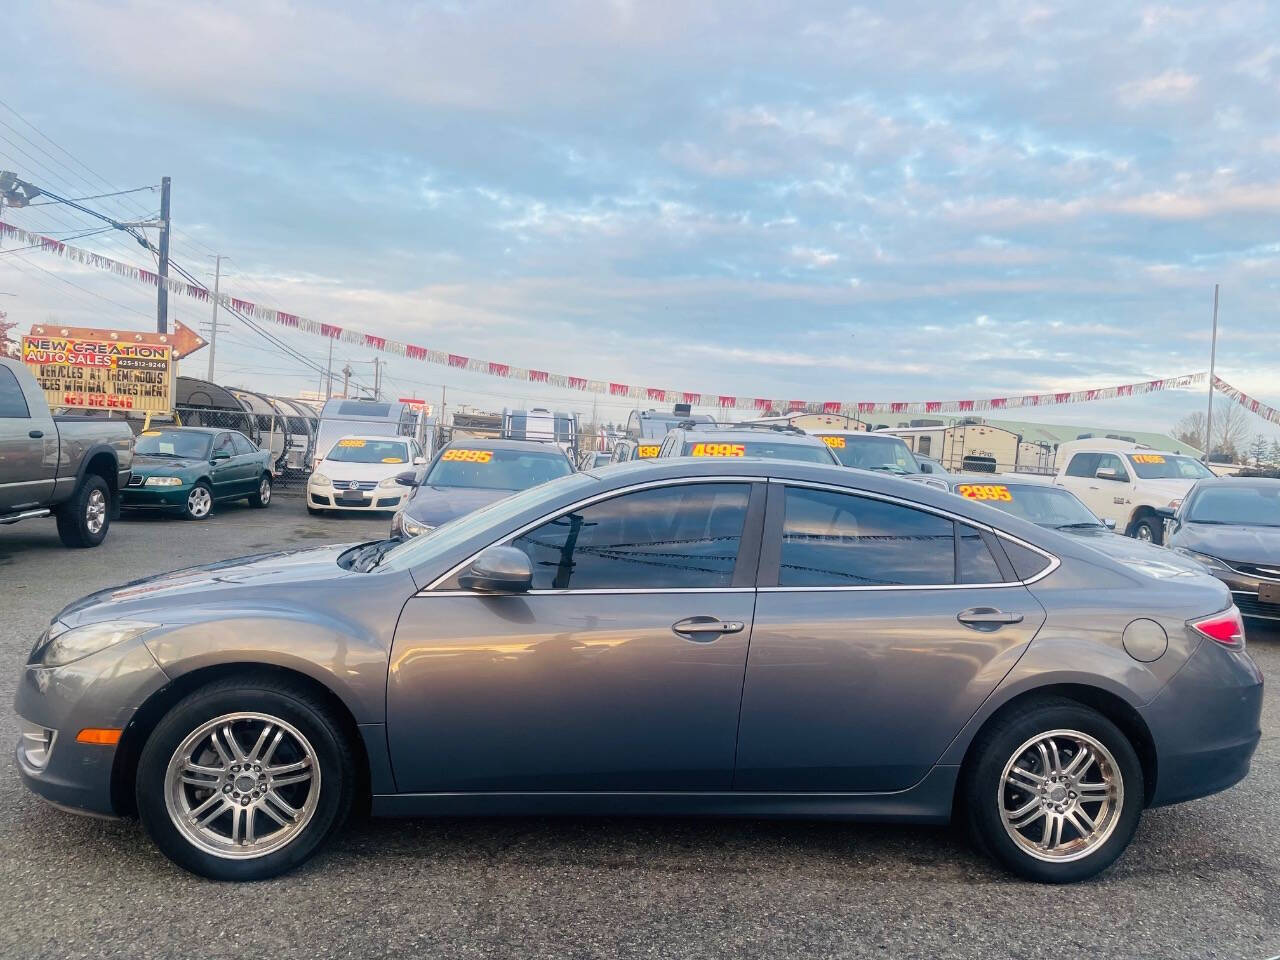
1200 880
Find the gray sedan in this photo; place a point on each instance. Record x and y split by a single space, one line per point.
722 637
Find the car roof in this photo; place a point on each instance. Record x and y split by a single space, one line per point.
1238 482
534 446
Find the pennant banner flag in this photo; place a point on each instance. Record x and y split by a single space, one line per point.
756 405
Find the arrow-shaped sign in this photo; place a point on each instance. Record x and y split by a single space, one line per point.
184 341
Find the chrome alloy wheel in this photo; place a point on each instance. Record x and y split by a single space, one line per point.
199 501
1143 533
95 511
264 490
242 785
1060 795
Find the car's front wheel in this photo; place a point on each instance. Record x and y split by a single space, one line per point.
1054 791
199 502
245 779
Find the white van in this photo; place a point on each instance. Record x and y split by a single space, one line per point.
345 416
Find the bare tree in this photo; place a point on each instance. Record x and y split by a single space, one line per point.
1229 429
8 346
1190 430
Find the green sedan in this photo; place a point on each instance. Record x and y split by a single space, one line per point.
186 470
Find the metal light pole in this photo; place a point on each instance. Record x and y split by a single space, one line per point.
213 324
162 290
1213 357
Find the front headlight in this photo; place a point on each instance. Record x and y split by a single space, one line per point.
71 644
1213 564
162 482
320 480
1174 504
411 527
389 482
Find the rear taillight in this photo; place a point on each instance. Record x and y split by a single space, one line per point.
1226 628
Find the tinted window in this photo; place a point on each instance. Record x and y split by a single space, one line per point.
1026 563
837 539
889 454
359 408
242 445
1083 465
12 402
476 465
682 536
974 562
1164 466
1237 505
172 443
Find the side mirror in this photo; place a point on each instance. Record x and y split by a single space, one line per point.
1107 473
1109 523
419 461
498 570
407 479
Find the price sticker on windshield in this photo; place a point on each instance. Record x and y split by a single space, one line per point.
351 442
984 491
393 459
837 442
1148 458
718 450
647 451
467 456
151 433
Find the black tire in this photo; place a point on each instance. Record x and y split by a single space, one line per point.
83 520
198 506
982 792
263 497
277 699
1148 528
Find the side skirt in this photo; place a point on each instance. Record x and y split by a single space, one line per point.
929 801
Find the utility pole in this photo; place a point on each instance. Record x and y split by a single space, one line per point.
443 406
377 377
213 323
162 291
328 377
346 379
1213 357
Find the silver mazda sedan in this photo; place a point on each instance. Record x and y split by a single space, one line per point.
729 637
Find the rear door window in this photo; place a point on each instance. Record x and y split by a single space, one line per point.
974 562
12 402
839 539
1083 465
242 445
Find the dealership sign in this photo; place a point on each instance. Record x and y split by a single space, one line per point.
89 369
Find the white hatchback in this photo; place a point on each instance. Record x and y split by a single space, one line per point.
359 473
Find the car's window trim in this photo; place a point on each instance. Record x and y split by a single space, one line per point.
431 588
772 548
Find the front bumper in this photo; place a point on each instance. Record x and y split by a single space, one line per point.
103 689
378 499
1244 591
154 498
1206 724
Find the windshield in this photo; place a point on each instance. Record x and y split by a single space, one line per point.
1245 506
768 449
872 453
417 550
1043 505
490 469
186 444
1167 466
357 450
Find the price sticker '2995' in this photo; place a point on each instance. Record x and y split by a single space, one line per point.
984 491
468 456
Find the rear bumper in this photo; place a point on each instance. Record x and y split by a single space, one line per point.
1206 724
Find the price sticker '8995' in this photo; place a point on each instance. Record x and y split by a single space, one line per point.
718 450
468 456
984 491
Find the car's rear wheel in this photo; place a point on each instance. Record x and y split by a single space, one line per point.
83 520
199 502
1054 791
1148 529
263 497
244 779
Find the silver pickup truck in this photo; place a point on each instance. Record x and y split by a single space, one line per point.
70 468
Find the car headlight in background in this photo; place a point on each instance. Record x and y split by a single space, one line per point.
162 482
389 482
66 645
1174 504
1213 564
403 525
320 480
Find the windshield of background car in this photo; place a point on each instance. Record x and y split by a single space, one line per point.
1166 466
873 453
1046 506
482 467
1241 506
418 550
356 450
173 443
768 449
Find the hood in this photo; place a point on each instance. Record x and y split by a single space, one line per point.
194 584
1146 558
162 466
436 505
336 470
1235 544
1173 489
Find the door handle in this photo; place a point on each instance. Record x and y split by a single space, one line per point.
987 618
35 434
705 629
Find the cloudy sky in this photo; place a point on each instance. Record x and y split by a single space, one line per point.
805 199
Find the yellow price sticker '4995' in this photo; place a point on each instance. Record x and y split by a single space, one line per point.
984 491
647 451
468 456
351 442
1148 458
837 442
718 450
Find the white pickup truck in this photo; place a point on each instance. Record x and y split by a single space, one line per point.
1129 484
